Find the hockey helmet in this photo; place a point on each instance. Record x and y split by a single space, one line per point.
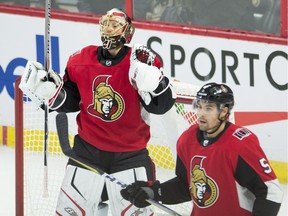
220 94
115 28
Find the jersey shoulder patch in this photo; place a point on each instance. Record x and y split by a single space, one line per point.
241 133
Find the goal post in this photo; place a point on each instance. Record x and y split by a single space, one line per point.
165 130
19 160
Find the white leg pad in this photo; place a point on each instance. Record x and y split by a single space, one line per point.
102 209
120 206
80 192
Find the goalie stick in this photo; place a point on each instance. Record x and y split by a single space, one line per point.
46 104
63 135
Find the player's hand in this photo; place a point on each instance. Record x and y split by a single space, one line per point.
144 77
138 192
142 74
40 85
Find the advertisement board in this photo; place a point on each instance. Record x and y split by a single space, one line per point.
256 71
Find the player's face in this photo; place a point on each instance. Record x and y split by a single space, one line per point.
111 27
208 114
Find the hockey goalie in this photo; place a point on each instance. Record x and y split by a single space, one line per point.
114 87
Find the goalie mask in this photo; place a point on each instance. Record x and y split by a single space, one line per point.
115 29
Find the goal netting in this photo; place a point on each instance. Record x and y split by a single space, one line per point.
29 128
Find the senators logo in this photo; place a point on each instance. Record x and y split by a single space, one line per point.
107 105
204 191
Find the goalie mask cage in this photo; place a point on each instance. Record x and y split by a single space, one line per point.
29 133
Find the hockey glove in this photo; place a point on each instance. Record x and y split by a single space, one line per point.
35 84
138 192
144 77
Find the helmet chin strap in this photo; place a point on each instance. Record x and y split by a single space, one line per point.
213 131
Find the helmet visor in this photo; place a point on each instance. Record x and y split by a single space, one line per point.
205 107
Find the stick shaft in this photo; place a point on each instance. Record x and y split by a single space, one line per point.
47 35
63 135
46 107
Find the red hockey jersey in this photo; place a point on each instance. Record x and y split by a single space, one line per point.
226 176
111 117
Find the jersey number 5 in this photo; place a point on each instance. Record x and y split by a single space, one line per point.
265 165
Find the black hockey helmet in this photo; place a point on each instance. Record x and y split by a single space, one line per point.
220 94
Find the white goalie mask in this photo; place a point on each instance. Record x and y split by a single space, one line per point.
115 29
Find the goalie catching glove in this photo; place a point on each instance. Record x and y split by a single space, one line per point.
143 76
138 192
40 85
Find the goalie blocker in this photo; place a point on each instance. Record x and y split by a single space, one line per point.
40 85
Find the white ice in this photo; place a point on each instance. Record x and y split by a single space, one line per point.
7 184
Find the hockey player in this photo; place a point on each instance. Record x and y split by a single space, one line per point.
114 92
220 166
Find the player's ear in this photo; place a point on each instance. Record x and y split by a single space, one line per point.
224 113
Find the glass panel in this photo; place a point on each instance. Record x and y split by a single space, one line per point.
173 11
99 6
82 6
17 2
247 15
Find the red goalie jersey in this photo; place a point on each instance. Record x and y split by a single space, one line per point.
230 176
112 116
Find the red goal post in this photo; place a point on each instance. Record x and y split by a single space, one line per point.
29 133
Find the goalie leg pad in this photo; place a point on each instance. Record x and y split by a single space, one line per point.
102 209
120 206
80 192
